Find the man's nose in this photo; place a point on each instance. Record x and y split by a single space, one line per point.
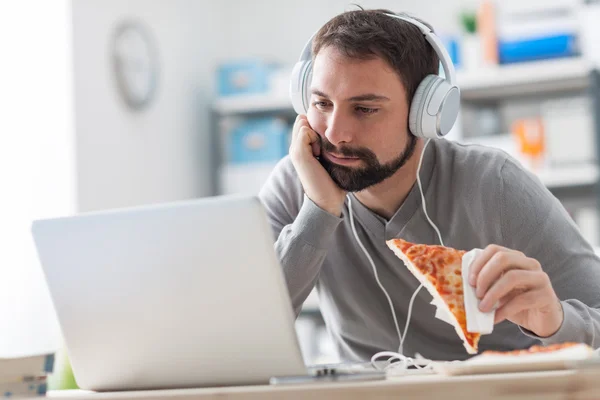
339 128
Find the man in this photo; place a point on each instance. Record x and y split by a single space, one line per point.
354 143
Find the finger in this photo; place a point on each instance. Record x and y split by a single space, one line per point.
307 136
297 141
305 144
499 264
511 295
481 260
517 304
514 280
301 121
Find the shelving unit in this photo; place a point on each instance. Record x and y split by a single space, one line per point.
246 106
548 77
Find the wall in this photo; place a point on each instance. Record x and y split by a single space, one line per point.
36 162
279 29
128 158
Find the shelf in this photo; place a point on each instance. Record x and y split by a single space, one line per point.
525 78
256 103
486 83
571 176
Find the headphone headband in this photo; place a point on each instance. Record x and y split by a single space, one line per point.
430 36
437 45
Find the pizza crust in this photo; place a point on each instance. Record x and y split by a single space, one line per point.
434 293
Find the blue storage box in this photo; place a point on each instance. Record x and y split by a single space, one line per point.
453 48
259 140
540 48
243 77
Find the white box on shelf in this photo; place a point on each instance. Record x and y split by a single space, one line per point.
569 131
536 18
590 32
244 178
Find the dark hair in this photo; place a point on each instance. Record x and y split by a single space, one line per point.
365 34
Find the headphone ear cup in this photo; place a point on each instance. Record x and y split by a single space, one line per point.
299 85
419 104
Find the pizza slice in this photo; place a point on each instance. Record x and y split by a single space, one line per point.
539 349
439 269
533 359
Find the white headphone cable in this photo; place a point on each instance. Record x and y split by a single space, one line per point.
404 361
423 196
374 269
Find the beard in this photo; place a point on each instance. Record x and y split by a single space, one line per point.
373 172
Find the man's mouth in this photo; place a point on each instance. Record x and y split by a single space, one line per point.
340 159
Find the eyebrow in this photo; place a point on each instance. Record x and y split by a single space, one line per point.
362 97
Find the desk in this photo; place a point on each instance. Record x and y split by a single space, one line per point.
583 384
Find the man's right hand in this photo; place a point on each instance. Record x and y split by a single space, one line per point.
318 185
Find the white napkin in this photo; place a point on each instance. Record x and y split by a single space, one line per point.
441 313
477 321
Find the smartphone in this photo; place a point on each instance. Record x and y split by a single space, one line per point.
329 377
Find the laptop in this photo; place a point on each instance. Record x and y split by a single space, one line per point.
184 294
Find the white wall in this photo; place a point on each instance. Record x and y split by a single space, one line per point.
128 158
36 161
279 29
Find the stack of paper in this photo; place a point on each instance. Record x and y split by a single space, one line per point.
25 375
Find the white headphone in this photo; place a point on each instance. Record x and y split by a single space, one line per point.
436 102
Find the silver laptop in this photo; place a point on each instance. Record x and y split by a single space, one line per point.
185 294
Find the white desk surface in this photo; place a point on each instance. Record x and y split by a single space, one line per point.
583 384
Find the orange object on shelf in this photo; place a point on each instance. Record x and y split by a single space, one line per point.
486 27
529 133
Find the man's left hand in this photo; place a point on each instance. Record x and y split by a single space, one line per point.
520 288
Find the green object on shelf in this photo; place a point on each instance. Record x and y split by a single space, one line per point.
62 378
468 21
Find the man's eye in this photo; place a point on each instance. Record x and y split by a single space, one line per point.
366 110
320 104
